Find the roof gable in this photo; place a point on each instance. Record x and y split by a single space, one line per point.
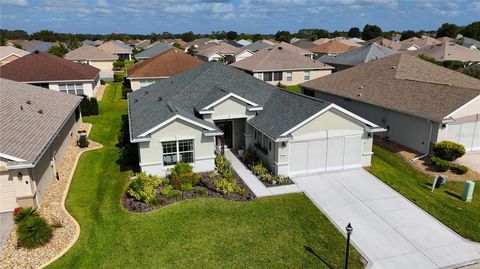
87 52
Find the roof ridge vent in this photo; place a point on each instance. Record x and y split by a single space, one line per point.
40 111
171 107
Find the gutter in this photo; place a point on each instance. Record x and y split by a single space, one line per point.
428 144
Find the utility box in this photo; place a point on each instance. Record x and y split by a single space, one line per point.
468 191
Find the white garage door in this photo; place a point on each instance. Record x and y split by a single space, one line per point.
8 198
329 154
467 134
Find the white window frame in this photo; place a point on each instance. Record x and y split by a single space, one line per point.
289 76
260 76
177 151
306 75
75 88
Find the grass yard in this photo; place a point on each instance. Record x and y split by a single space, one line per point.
444 204
294 88
277 232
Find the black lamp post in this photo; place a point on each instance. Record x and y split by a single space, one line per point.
349 230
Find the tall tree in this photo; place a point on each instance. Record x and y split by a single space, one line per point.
448 30
354 32
232 35
188 36
371 31
45 35
409 34
256 37
60 50
472 30
283 36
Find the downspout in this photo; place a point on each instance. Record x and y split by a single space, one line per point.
428 144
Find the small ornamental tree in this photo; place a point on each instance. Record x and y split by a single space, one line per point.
448 150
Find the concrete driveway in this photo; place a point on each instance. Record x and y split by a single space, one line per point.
389 230
6 225
471 160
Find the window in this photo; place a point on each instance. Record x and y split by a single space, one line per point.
267 76
289 76
306 75
277 76
175 151
71 88
146 82
265 142
259 76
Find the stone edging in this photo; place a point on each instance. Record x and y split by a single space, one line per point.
64 197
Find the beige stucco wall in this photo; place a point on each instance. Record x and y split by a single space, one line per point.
298 76
135 83
230 108
106 68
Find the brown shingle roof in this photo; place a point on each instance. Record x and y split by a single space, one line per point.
43 66
220 48
24 131
333 46
166 64
403 83
278 58
449 51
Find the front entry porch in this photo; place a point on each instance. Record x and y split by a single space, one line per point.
233 134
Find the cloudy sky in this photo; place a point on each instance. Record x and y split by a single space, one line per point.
250 16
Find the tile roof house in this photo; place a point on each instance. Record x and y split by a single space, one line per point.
9 54
123 51
95 57
418 102
217 52
161 66
58 74
279 65
215 106
448 51
333 47
363 54
152 51
37 126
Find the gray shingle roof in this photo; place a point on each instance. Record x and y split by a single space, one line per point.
256 46
25 133
190 91
468 42
153 51
359 55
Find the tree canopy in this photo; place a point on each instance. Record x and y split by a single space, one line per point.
409 34
371 31
472 30
283 36
448 30
59 50
354 32
232 35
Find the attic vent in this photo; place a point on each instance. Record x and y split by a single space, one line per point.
40 111
29 102
160 99
280 48
361 87
172 108
146 92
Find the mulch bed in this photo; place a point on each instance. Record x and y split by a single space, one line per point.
206 183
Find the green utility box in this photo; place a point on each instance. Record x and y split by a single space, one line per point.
468 191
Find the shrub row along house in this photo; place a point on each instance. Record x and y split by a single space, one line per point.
214 106
36 127
417 102
55 73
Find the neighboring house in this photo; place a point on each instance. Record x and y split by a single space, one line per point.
215 106
182 44
118 48
88 42
321 41
295 49
143 44
382 41
9 54
95 57
349 42
468 43
304 44
354 57
332 47
244 42
32 45
37 126
58 74
199 42
233 43
162 66
152 51
256 46
217 52
418 102
244 53
415 43
279 65
357 40
447 51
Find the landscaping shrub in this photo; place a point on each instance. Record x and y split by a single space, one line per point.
440 165
89 106
182 168
20 214
281 180
240 191
259 169
181 174
186 186
119 64
166 191
83 141
118 77
224 185
250 157
34 231
448 150
144 187
223 165
200 191
459 169
102 82
175 194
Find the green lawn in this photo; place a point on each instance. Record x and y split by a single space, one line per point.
444 204
277 232
294 88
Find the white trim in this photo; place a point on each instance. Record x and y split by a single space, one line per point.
20 166
213 134
138 140
228 96
257 108
12 158
464 105
140 78
11 54
323 111
202 112
172 119
63 81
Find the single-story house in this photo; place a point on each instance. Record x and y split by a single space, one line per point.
382 41
304 44
417 102
162 66
28 159
214 107
415 43
244 42
257 45
95 57
468 42
295 49
448 51
33 45
55 73
364 54
9 54
123 51
217 52
244 53
332 47
278 65
152 51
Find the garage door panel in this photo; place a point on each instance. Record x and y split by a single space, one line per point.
317 156
453 132
335 153
466 135
353 152
476 138
299 158
8 197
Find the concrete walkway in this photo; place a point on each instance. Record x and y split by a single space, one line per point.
471 160
254 183
389 230
6 225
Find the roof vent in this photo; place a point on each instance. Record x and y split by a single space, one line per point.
21 107
36 52
361 87
159 99
146 92
359 95
29 102
280 48
171 107
40 111
394 67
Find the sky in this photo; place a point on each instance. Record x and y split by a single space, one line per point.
242 16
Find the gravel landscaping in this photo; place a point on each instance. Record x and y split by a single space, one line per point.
52 210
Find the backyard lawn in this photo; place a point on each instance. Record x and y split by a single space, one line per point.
277 232
294 88
444 204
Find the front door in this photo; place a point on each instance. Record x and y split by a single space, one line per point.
227 129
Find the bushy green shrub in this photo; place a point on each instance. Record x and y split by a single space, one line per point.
34 231
186 186
181 174
118 64
240 191
249 157
175 194
118 77
459 169
89 106
281 180
224 185
20 214
144 187
166 190
440 165
182 168
223 165
200 191
259 169
448 150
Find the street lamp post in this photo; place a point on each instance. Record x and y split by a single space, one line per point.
349 230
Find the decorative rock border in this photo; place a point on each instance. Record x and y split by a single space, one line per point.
53 209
